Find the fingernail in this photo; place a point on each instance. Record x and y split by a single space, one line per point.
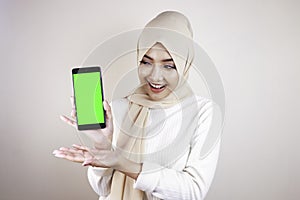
59 155
56 151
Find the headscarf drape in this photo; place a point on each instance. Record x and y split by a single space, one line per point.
173 31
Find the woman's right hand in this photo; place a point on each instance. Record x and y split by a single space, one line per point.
102 138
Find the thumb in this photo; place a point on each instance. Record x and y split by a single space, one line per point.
88 162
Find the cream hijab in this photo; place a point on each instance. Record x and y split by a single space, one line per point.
173 31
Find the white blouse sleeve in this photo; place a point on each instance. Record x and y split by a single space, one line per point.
100 180
193 181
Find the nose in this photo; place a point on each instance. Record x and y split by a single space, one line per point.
156 74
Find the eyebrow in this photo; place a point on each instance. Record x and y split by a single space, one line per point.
164 60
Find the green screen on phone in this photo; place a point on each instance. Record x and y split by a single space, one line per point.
88 98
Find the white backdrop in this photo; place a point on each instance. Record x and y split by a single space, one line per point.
254 45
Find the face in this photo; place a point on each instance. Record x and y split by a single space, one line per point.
158 73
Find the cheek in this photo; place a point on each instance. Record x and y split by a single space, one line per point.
172 78
143 72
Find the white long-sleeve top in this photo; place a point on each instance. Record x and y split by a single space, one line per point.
174 168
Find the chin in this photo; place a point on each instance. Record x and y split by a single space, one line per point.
157 97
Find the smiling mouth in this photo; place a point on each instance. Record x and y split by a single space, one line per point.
156 87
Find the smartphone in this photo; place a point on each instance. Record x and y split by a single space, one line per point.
88 98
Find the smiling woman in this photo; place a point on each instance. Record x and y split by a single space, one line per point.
151 149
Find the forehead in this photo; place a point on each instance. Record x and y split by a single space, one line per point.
158 52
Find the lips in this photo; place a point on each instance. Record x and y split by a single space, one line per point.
156 88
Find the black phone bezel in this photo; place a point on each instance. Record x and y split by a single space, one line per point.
88 70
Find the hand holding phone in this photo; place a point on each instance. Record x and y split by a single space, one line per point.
102 138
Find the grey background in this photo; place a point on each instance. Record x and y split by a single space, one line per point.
254 45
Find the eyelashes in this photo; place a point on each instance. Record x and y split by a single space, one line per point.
144 62
166 66
170 66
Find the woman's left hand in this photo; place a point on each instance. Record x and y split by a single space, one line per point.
87 156
99 158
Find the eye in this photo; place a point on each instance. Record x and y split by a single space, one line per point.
170 66
143 62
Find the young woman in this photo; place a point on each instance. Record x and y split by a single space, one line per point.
151 149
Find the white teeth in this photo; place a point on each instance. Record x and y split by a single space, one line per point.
156 86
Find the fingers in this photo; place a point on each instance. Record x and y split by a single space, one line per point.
73 112
72 101
109 116
81 147
74 151
69 121
91 152
88 155
69 151
69 154
83 154
107 108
